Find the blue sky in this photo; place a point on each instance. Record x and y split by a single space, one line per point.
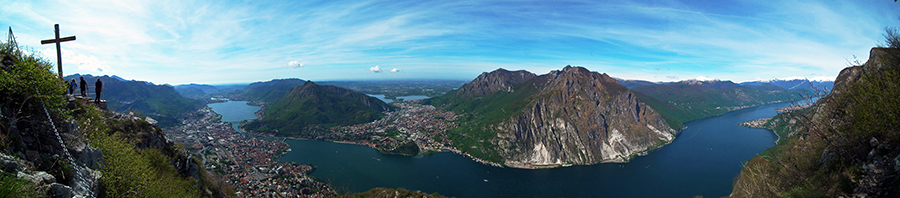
215 42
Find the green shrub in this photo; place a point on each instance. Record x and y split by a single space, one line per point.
129 171
20 83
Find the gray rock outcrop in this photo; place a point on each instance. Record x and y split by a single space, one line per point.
572 116
587 118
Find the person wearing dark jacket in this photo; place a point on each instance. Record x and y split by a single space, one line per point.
83 86
98 87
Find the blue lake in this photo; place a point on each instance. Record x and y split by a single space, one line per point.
381 97
234 111
703 160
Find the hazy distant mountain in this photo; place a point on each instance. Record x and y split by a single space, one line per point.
796 84
572 116
304 109
634 83
194 90
394 88
202 91
160 102
692 99
202 87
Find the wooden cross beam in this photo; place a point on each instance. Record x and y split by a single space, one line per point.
58 40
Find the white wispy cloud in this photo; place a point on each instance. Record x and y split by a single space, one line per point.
395 70
82 62
375 69
295 64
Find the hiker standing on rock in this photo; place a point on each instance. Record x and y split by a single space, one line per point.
98 86
72 86
83 86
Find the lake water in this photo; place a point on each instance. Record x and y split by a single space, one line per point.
412 97
235 111
381 97
703 160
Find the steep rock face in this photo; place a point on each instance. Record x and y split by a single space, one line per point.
497 80
584 118
572 116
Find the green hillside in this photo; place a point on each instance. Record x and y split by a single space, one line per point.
307 108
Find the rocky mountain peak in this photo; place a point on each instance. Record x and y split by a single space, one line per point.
877 61
306 90
581 80
497 80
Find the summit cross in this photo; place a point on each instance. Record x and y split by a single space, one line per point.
58 40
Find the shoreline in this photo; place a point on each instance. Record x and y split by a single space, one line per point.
761 124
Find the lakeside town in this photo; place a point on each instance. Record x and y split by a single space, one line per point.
761 123
423 125
248 164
